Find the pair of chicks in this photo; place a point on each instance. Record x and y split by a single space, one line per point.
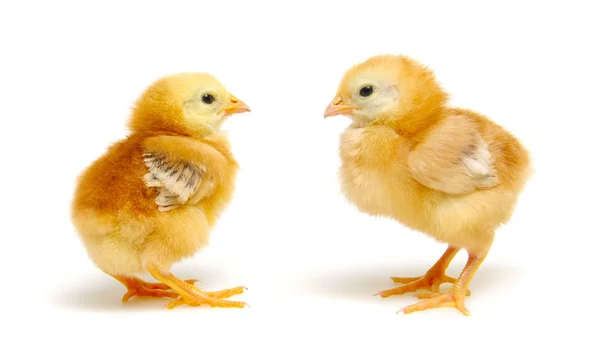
152 198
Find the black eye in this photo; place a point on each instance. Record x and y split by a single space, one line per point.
208 98
366 91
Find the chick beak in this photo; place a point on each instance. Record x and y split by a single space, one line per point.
338 107
235 106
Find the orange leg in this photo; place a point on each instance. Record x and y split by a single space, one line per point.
432 279
191 295
456 296
139 287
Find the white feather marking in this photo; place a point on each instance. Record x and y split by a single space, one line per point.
480 164
178 180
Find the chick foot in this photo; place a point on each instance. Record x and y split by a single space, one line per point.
138 287
212 298
191 295
453 298
430 281
456 296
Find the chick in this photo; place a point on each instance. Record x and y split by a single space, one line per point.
153 197
450 173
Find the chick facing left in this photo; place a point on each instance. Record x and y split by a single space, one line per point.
152 198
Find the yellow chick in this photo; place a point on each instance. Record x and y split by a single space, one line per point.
450 173
152 198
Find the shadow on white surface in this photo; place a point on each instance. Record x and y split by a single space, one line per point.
99 292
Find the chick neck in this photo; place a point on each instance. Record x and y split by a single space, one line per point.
171 123
409 124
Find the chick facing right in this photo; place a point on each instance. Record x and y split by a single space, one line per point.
152 198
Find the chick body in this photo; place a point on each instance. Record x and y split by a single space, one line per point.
152 198
376 177
117 217
450 173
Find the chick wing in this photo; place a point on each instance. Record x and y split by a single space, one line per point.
454 158
176 180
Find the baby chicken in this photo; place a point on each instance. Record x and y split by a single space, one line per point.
447 172
153 197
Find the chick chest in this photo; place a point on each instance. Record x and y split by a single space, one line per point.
224 183
374 175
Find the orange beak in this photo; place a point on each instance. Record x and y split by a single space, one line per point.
235 106
338 107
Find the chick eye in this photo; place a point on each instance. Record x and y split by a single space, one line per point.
208 98
366 91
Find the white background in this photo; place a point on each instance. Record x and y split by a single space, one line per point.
71 71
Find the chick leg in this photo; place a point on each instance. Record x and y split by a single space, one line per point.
139 287
191 295
456 296
432 279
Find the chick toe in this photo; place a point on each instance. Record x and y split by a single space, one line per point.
138 287
456 296
140 291
430 281
224 294
189 294
453 298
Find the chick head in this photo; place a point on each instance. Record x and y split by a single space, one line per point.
186 103
388 89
